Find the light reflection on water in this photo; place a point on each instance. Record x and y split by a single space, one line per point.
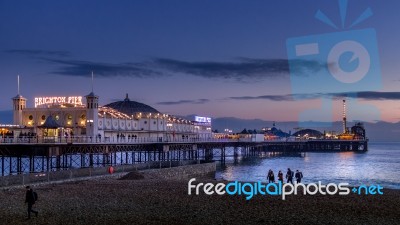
380 165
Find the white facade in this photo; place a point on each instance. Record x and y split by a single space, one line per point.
105 123
19 103
92 111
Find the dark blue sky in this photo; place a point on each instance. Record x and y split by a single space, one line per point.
208 57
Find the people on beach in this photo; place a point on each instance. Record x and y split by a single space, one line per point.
289 176
271 176
298 176
30 199
280 176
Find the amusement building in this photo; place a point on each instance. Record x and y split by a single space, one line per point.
71 117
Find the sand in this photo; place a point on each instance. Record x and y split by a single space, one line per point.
141 200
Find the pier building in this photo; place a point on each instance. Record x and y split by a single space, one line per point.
64 117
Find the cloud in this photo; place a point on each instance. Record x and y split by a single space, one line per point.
83 68
240 69
265 97
35 52
287 97
366 95
372 95
180 102
243 69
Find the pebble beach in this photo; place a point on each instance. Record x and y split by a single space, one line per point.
138 199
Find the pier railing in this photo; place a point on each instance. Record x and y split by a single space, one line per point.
105 140
141 140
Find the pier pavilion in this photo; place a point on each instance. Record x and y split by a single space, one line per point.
82 117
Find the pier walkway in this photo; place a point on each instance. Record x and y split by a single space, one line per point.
27 155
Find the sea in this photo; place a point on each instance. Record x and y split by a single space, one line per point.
380 165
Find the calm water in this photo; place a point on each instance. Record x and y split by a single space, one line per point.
380 165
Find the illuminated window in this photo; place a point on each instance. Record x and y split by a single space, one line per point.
57 117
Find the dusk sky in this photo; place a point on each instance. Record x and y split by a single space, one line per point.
207 57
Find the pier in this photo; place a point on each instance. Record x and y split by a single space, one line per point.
19 156
75 132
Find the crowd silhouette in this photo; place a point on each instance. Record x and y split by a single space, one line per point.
289 176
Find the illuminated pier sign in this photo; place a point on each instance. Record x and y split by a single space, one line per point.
75 100
201 119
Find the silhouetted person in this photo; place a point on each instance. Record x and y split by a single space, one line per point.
271 176
298 176
280 176
30 199
289 176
